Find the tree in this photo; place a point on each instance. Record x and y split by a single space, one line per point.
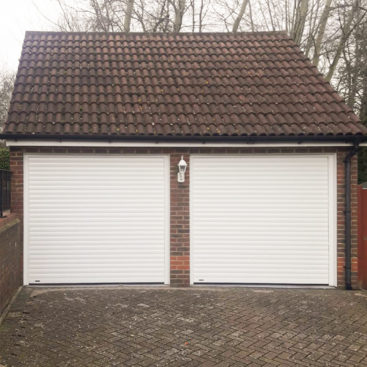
179 7
299 16
6 88
239 16
128 15
321 32
346 29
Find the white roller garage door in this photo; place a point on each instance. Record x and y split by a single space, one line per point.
263 219
96 218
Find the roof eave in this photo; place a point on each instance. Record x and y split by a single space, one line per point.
193 138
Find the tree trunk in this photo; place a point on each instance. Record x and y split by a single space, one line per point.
251 18
193 15
299 21
321 32
201 15
128 14
239 16
179 7
363 112
314 23
363 109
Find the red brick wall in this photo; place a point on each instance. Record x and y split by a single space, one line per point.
10 259
179 196
180 224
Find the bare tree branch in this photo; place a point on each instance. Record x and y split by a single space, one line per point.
346 31
321 32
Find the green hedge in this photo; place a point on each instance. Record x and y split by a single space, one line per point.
4 158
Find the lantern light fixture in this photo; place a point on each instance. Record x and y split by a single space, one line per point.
182 165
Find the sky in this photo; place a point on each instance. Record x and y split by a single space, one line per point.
18 16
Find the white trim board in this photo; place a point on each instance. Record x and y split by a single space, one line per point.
111 144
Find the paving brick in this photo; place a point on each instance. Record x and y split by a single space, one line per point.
192 327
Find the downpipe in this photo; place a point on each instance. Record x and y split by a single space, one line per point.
348 216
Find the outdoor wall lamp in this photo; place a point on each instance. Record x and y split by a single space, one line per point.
182 165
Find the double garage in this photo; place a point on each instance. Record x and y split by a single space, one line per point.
254 218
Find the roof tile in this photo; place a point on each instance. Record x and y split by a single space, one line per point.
103 84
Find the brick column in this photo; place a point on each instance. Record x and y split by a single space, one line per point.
16 205
180 224
16 168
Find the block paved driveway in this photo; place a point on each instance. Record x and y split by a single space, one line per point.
129 326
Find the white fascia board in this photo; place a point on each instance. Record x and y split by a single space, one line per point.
110 144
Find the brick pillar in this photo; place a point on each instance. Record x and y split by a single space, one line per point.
16 168
180 224
16 205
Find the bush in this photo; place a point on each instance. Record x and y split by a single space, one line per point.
4 158
362 165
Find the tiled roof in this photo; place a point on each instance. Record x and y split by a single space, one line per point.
208 84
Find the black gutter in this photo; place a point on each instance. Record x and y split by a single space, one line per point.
348 217
191 138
